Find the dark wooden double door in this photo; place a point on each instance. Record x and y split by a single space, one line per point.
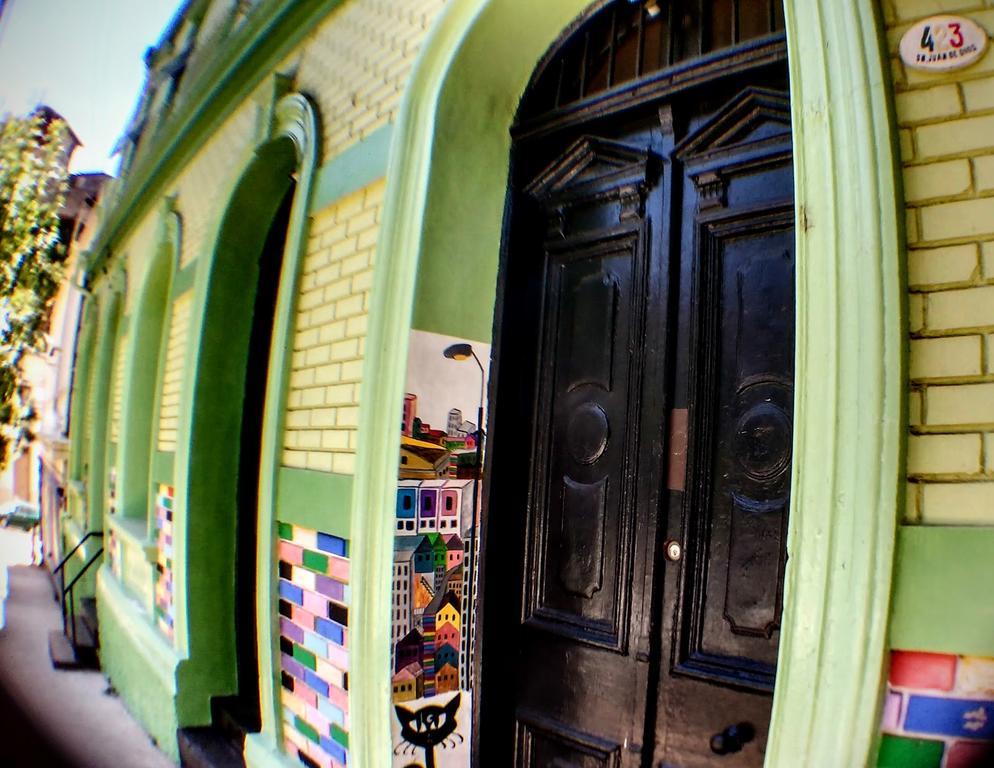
635 543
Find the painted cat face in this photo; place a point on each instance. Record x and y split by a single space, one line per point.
430 725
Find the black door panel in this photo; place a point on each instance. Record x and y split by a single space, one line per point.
648 267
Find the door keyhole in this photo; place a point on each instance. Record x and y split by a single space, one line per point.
732 739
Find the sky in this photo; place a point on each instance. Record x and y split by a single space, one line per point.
83 58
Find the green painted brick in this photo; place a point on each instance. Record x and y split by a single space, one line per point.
305 657
315 562
306 729
339 735
899 752
286 531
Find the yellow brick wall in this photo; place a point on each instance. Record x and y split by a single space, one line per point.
172 378
330 333
117 388
357 63
138 250
947 153
206 183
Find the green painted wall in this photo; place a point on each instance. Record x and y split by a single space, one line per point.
940 590
317 500
138 661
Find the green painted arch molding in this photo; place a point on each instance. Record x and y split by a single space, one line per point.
452 135
98 399
146 349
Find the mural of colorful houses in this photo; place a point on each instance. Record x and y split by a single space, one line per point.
432 616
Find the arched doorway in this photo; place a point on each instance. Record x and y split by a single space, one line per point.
646 373
452 135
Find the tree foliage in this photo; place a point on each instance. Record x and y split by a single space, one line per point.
32 191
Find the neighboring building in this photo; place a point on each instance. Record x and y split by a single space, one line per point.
21 479
52 375
724 330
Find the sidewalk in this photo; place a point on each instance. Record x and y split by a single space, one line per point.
49 717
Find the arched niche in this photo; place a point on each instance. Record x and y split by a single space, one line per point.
146 351
91 394
444 211
81 391
207 463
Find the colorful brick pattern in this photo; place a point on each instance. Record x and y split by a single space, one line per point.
314 656
172 379
330 334
946 131
164 616
112 491
939 712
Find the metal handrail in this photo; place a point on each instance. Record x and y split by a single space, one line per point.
67 590
75 549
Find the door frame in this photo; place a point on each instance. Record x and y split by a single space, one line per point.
452 135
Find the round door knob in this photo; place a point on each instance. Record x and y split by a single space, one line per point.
732 739
674 552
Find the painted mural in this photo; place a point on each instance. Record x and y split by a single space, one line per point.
314 657
435 551
939 712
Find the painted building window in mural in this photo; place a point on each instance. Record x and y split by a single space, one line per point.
436 529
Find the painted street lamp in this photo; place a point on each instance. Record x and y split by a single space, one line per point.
465 352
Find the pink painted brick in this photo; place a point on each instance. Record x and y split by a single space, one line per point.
338 697
975 677
302 618
291 553
924 671
338 568
970 754
892 713
318 721
338 656
315 603
307 695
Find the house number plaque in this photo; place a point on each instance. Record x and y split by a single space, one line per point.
940 43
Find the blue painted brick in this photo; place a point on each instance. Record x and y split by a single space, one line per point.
315 682
331 544
962 718
329 629
316 645
291 592
330 711
334 749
